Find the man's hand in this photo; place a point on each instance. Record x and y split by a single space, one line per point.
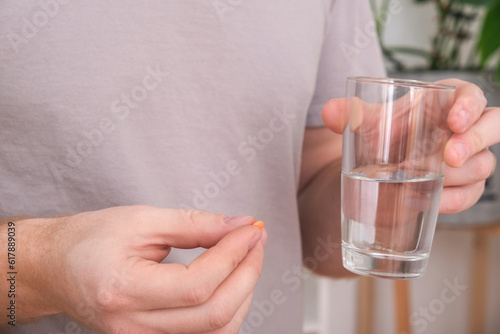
469 161
102 269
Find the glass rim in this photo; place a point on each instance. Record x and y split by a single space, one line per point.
401 82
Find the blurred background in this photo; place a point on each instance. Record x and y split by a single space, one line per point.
460 292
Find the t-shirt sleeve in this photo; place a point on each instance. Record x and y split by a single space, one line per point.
350 48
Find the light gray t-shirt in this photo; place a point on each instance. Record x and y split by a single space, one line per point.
194 104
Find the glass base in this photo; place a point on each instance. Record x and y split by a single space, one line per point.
383 265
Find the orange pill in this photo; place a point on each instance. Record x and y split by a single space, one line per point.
259 224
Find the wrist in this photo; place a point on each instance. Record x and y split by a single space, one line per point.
25 267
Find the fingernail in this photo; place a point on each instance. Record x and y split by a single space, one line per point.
461 150
239 220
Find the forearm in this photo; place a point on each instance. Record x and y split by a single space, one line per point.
319 202
22 288
319 207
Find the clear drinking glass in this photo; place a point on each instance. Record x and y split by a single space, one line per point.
392 174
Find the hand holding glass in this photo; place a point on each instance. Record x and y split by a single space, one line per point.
392 174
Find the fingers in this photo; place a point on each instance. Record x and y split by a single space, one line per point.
475 129
478 168
335 115
460 198
468 106
464 186
237 321
194 284
222 306
369 117
479 136
183 228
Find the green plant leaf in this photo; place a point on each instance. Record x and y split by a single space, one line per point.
489 40
474 2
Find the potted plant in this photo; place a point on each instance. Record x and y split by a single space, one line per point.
455 20
444 57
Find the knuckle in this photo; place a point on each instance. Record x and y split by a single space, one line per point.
255 270
476 139
104 300
197 295
478 192
482 169
108 300
471 103
219 316
484 100
458 200
196 213
481 97
191 216
234 261
466 198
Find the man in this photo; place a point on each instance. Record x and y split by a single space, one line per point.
111 106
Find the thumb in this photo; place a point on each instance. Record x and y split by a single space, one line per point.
189 228
335 115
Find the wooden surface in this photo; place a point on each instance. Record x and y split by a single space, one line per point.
365 304
402 306
401 289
